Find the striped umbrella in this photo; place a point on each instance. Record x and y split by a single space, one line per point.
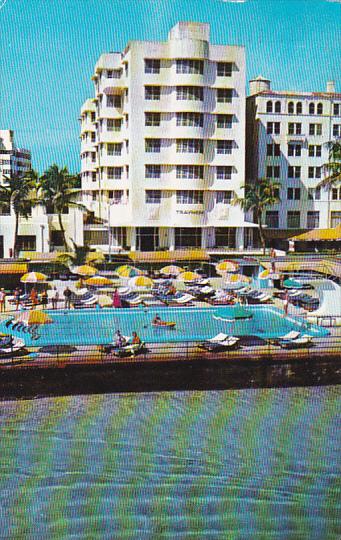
128 271
141 281
34 316
238 278
84 270
99 281
33 277
226 266
188 276
264 274
172 270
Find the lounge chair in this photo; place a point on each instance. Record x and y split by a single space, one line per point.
301 341
293 334
184 299
135 301
129 350
220 341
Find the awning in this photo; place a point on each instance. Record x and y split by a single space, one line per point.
13 268
169 256
323 266
38 256
320 235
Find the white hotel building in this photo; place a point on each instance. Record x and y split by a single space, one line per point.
286 136
163 145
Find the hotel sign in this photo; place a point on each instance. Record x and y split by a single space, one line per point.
192 212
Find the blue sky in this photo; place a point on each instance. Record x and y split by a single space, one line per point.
49 49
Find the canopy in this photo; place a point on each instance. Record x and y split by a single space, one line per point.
238 278
34 316
13 268
320 235
172 269
188 276
84 270
99 280
141 281
226 266
33 277
169 256
128 271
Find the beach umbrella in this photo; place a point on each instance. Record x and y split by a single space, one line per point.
128 271
34 316
238 278
188 276
33 277
104 300
265 274
226 266
239 312
141 281
292 284
84 270
98 281
172 270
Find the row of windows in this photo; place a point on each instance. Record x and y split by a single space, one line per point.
314 150
189 172
298 108
191 146
295 128
154 196
189 119
293 219
186 93
184 65
294 171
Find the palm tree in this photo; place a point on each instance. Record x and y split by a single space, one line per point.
59 190
257 198
80 255
17 196
332 170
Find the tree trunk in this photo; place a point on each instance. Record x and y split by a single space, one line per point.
261 232
62 230
16 230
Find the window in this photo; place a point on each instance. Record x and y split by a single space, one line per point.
269 106
224 69
26 242
189 93
117 73
224 147
291 107
277 107
93 136
224 121
191 146
116 195
224 172
337 130
315 150
93 176
114 149
152 65
187 237
313 219
273 171
294 172
114 124
114 101
273 128
153 171
110 73
114 173
294 128
294 150
93 117
190 66
336 194
337 109
153 196
315 129
311 108
189 197
319 108
223 197
126 69
190 171
293 194
127 120
299 108
152 145
273 150
293 219
152 119
335 218
224 95
189 119
314 194
314 172
152 93
272 219
93 157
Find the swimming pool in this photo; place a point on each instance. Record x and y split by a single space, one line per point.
96 327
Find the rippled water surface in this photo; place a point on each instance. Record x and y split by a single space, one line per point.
251 464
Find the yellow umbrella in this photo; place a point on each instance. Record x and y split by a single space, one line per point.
238 278
85 270
264 274
172 270
33 277
99 280
226 266
104 300
34 316
128 271
188 276
141 281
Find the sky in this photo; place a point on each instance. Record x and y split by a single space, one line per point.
49 49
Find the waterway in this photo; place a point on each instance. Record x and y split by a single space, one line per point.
246 464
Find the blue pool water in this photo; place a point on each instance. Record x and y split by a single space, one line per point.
95 327
232 465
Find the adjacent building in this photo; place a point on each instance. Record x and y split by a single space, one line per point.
286 139
163 145
13 160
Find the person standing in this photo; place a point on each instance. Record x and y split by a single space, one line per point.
286 303
55 299
34 296
44 299
16 296
2 301
67 295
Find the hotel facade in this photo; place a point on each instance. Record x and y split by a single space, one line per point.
287 136
163 145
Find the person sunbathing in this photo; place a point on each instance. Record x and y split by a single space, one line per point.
157 319
136 339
